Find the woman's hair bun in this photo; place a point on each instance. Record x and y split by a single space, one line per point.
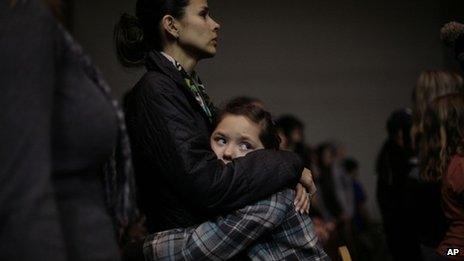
129 41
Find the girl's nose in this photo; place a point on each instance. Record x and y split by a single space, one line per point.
228 153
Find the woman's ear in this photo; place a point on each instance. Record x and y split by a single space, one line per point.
171 26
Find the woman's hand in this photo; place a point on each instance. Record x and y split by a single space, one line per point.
304 191
302 199
307 181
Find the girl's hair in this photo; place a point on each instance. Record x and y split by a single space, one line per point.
135 35
268 135
431 84
443 135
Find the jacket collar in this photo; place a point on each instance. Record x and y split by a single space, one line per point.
156 61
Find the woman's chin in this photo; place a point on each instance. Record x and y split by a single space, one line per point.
208 52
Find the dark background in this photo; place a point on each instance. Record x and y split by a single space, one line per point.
341 66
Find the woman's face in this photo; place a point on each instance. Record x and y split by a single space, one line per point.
198 32
234 137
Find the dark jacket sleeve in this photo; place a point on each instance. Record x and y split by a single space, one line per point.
29 221
172 138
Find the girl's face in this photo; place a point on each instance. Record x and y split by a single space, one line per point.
234 137
198 32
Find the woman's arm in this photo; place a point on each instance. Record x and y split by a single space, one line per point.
29 222
162 124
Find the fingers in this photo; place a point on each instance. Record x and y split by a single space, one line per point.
312 190
302 204
307 181
302 201
305 207
312 186
308 197
299 197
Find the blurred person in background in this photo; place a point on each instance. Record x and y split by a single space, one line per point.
393 166
442 160
363 249
452 35
344 192
327 201
291 132
424 196
326 183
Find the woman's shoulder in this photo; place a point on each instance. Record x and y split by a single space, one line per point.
456 163
156 83
455 173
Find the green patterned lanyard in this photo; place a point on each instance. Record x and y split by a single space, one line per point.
198 90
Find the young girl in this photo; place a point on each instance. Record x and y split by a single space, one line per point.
240 129
443 161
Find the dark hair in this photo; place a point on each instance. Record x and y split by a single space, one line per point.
288 123
452 33
243 100
350 165
443 135
135 35
268 135
321 148
400 120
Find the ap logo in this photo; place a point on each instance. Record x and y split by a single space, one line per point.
452 252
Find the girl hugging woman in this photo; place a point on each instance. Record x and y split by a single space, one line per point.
238 130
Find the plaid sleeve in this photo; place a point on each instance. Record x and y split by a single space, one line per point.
293 239
221 238
270 230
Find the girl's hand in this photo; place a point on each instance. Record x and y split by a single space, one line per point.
302 199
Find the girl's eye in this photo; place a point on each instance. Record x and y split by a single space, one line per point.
221 141
245 146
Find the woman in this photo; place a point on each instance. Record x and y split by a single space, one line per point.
60 127
442 160
180 180
423 196
240 129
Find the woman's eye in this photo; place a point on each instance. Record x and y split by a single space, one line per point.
204 14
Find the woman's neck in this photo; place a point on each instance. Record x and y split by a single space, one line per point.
187 61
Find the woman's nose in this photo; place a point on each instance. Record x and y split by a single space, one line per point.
216 25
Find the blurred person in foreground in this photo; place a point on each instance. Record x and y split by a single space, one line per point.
65 178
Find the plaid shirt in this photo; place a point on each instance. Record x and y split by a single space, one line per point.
271 229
